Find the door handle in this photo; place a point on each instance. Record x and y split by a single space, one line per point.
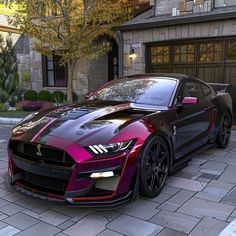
207 108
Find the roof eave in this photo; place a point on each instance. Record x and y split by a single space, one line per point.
180 21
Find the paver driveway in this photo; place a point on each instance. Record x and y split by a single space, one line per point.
198 200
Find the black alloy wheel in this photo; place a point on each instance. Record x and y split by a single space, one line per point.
224 134
154 167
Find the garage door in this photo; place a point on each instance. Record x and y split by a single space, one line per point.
212 60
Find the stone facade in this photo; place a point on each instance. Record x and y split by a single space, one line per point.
182 7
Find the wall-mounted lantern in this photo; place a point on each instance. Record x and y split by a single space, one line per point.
131 54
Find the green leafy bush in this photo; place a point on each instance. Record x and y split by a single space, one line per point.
44 96
3 107
58 97
9 79
31 95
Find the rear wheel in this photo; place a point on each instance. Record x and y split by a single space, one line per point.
224 134
154 167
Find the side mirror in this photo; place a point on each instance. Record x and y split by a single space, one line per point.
189 100
88 95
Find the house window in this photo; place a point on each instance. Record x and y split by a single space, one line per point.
231 50
210 52
54 74
184 53
160 55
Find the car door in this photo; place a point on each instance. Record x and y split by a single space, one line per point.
193 119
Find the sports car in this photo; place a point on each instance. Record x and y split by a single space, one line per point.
123 141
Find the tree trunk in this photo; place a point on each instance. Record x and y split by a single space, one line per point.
71 77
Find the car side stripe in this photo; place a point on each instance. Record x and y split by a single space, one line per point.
40 131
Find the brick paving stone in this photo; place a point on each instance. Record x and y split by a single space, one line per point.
71 211
208 196
208 226
9 231
82 214
11 209
230 198
170 190
214 165
171 232
186 184
175 220
109 214
209 176
211 172
181 197
49 216
141 209
108 232
66 224
21 221
228 160
88 226
168 207
203 180
130 226
41 229
162 197
201 207
229 175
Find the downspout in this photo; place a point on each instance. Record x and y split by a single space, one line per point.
120 53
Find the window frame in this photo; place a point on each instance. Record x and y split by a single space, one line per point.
45 71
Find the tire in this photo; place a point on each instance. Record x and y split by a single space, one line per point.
223 137
154 167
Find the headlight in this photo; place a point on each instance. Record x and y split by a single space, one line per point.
111 148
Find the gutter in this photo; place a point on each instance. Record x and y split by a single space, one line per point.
179 21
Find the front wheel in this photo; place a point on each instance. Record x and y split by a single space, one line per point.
154 167
224 133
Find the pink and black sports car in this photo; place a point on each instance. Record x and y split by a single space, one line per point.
122 141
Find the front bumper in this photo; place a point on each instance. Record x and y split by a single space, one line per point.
72 184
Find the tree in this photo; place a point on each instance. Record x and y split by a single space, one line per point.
71 29
9 79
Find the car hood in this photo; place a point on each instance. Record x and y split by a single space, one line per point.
85 124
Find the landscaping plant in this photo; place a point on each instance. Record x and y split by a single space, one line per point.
9 79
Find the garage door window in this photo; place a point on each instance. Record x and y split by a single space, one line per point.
231 50
160 55
184 53
210 52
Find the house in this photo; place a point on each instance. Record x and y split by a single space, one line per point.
194 37
46 73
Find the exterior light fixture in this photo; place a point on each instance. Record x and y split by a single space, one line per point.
131 54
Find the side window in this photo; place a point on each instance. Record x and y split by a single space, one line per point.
205 89
189 89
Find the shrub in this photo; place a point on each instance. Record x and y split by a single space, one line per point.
58 97
31 95
44 96
33 105
3 107
12 101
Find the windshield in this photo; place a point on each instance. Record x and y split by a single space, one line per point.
151 91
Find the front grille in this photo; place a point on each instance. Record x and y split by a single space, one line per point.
43 183
44 154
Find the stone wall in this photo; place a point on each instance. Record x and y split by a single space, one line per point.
137 39
90 75
182 7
